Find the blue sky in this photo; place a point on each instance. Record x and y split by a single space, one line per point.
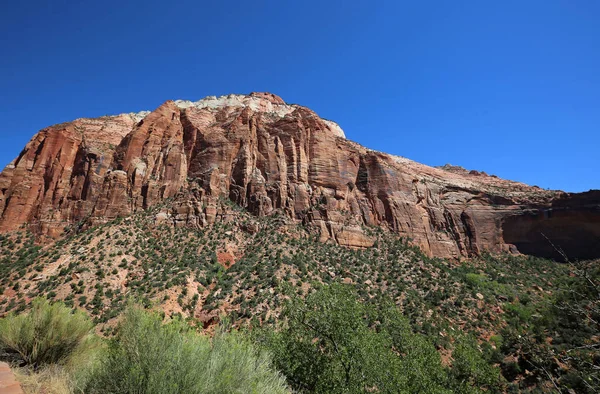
508 87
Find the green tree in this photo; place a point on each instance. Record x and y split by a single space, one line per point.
332 343
470 369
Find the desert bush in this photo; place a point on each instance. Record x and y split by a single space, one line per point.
150 357
47 334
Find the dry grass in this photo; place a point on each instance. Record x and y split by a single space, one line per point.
48 380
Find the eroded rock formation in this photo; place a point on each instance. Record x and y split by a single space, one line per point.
267 156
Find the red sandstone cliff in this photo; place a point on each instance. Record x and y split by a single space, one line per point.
268 156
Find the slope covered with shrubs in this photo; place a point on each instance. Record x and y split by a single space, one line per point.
332 343
533 320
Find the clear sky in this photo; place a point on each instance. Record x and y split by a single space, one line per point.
507 87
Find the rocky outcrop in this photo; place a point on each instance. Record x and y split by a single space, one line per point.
268 156
62 174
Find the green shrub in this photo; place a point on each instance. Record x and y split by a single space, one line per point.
330 345
47 334
474 280
470 369
150 357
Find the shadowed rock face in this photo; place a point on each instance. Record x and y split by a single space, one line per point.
267 157
569 228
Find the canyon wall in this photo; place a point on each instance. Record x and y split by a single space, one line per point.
267 156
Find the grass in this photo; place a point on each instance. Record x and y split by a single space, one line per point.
49 380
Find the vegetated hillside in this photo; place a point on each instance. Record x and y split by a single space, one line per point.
536 319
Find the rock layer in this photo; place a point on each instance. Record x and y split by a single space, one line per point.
268 156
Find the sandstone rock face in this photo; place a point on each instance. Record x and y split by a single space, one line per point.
267 156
